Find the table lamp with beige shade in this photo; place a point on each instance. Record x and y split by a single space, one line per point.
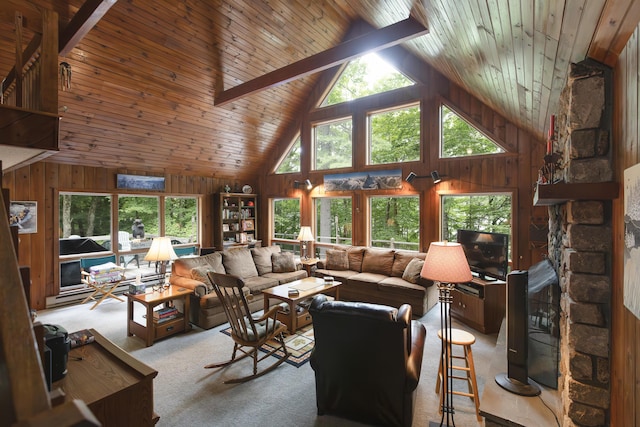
161 252
304 237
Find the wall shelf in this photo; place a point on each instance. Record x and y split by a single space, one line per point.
553 194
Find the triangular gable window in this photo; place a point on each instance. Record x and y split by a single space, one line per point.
364 76
291 162
459 138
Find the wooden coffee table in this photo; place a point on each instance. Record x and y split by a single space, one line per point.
152 330
307 288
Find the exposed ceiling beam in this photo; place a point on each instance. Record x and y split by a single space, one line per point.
82 22
371 42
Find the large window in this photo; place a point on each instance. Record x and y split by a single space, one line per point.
138 213
333 220
181 219
291 161
333 146
86 216
395 222
285 227
394 135
459 138
480 212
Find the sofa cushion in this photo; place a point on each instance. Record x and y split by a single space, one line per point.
339 275
283 262
239 262
262 258
337 260
412 271
288 276
401 259
183 266
355 254
378 261
201 274
257 283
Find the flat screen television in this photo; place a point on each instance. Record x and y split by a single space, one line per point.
487 253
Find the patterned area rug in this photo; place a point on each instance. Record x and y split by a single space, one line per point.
299 345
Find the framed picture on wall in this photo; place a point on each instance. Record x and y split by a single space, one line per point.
631 290
139 182
247 224
24 215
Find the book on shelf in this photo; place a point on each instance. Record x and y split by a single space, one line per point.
167 318
164 312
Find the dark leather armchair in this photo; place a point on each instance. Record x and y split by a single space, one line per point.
367 360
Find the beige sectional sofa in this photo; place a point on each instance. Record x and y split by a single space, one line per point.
381 276
260 268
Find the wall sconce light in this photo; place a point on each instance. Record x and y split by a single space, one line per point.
303 184
434 175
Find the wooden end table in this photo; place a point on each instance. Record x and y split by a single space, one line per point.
306 288
309 265
154 330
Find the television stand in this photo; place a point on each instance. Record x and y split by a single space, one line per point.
480 304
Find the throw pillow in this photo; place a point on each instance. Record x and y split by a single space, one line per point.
337 260
239 262
283 262
378 261
412 271
262 258
201 274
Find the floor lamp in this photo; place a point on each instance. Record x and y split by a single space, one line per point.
446 264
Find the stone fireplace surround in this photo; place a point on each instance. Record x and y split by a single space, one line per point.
580 245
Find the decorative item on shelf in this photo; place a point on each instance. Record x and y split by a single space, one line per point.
227 189
161 252
247 189
546 174
304 238
446 264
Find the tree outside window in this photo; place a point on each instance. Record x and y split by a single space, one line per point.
480 212
181 219
333 146
286 222
85 216
394 135
133 210
395 222
291 162
333 220
459 138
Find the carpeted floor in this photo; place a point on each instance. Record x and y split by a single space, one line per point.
186 394
299 345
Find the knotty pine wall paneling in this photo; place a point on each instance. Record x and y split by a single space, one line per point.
42 181
625 327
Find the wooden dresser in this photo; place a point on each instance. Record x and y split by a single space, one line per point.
116 386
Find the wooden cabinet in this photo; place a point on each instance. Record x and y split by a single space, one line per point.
480 304
235 219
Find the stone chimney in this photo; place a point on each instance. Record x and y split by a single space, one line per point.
580 243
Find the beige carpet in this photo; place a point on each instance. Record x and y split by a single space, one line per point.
299 345
186 394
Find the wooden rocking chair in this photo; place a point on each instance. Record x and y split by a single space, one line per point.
245 330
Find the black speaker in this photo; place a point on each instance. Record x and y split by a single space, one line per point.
516 380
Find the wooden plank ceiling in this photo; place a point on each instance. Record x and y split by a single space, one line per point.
144 78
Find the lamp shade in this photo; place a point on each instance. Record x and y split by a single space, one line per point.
305 234
161 250
446 263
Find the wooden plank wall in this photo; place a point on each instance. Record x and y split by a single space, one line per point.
514 172
42 181
625 327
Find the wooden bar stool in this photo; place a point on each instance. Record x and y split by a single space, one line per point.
464 339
